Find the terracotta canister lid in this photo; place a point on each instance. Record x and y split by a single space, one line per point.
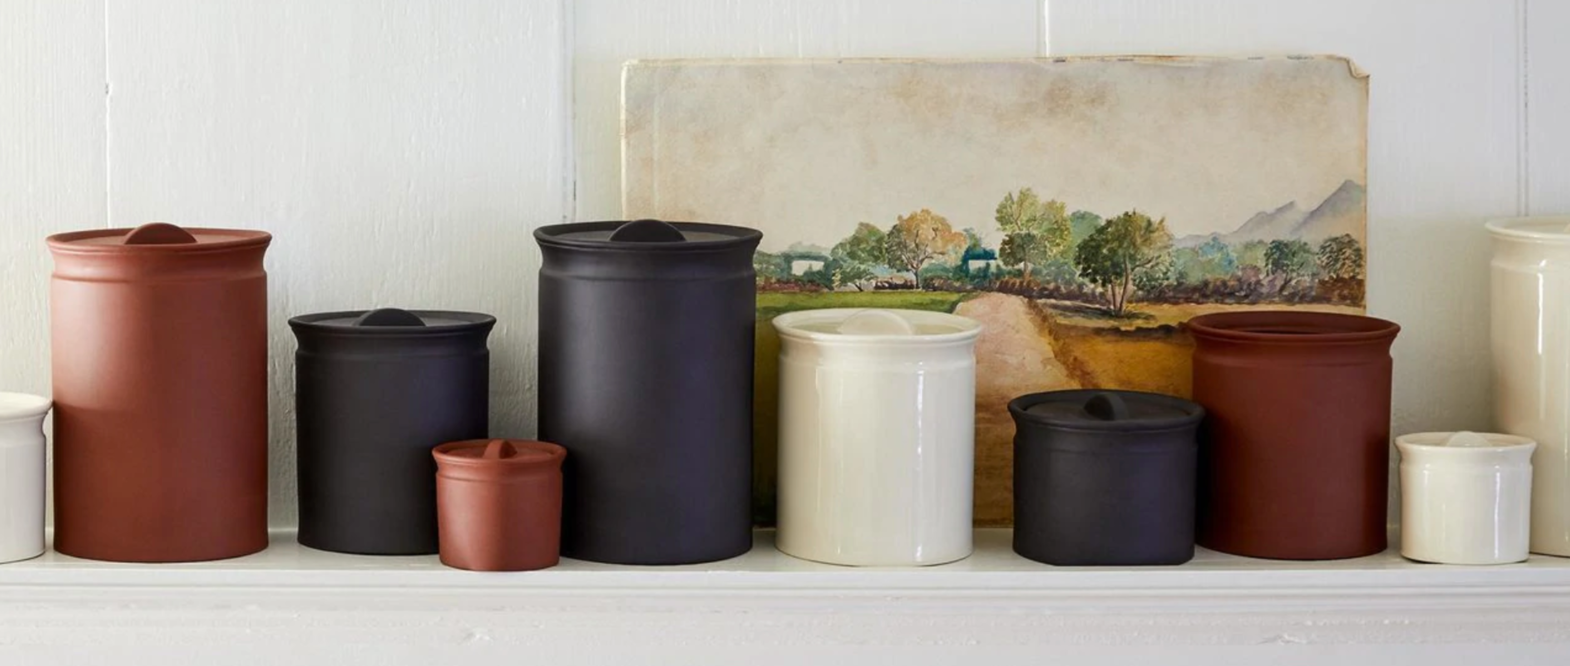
876 326
391 322
1466 445
156 238
500 455
22 406
1107 410
1542 229
1291 327
647 236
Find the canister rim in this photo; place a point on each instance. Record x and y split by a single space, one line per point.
557 235
1291 327
1434 442
328 322
75 242
22 406
1515 228
1191 412
471 453
789 325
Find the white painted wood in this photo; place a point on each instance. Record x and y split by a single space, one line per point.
1547 57
769 608
610 32
399 152
1443 134
51 163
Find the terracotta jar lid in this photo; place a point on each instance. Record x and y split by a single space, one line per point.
1107 410
498 456
155 237
395 322
646 236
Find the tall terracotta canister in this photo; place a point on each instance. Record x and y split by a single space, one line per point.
877 436
22 474
645 377
1295 460
1531 352
374 391
160 390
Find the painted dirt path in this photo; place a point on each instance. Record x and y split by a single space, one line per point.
1013 357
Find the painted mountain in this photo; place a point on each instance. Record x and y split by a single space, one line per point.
1343 212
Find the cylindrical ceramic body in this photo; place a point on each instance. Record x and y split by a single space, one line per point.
1295 460
1104 478
1531 353
500 504
21 475
877 436
1465 498
160 393
374 391
646 379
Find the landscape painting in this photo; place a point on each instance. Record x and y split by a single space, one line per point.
1080 208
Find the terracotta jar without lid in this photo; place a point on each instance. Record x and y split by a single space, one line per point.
22 474
500 504
1466 498
1104 478
1530 334
160 391
645 376
877 436
1295 460
374 391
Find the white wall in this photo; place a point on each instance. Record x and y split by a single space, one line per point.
402 150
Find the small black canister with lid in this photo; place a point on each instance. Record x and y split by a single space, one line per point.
1104 477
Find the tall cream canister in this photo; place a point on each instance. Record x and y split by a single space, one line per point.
877 436
1531 351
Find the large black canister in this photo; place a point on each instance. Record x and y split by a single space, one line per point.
645 376
374 392
1104 477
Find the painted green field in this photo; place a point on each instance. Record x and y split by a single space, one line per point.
772 304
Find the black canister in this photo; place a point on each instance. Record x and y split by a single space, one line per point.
374 392
646 333
1104 477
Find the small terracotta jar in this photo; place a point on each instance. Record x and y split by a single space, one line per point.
1295 463
22 474
1104 478
1466 498
498 504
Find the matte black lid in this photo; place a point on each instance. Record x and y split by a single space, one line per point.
1122 411
647 236
392 321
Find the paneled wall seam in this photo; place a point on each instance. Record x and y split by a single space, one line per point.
1043 28
108 134
1524 112
569 110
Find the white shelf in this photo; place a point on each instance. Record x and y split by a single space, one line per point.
994 600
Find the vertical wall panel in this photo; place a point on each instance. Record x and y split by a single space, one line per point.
1443 136
399 151
1547 53
51 163
610 32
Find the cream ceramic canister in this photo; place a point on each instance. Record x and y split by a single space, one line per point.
1466 498
22 475
877 436
1531 352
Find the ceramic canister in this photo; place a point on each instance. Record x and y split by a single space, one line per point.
645 377
374 391
500 504
1531 352
1294 463
21 475
1466 498
160 393
1104 478
877 435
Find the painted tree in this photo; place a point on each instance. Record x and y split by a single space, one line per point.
1128 251
856 258
769 266
1034 231
1289 260
849 274
919 238
1340 258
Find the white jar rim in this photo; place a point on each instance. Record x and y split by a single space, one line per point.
1540 228
22 406
1434 443
950 327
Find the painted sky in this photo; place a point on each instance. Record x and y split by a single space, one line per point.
804 151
